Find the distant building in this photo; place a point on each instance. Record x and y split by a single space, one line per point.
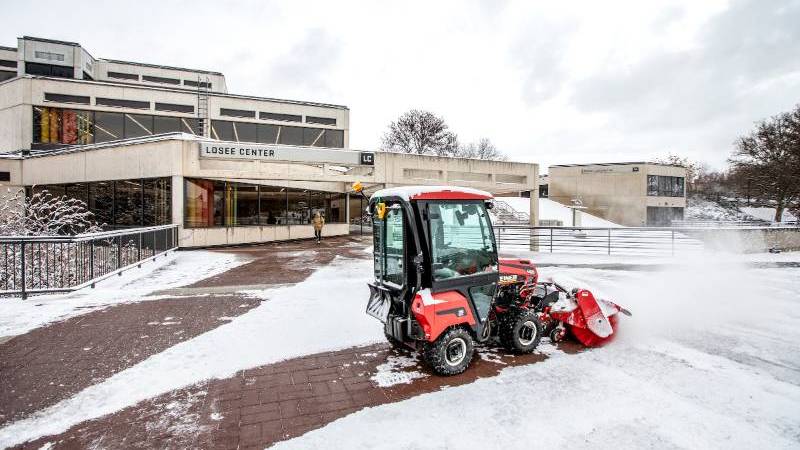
630 193
144 144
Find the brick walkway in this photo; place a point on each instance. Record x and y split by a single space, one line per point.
255 408
267 404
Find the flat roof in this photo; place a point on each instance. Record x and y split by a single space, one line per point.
618 164
11 49
50 41
158 66
181 90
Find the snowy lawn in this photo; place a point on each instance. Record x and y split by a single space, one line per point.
710 359
19 316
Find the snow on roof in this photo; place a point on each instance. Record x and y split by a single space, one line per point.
410 192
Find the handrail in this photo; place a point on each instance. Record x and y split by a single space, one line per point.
86 236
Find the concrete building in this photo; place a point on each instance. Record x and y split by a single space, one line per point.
143 145
630 194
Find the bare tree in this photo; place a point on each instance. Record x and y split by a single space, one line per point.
483 149
694 169
420 132
768 159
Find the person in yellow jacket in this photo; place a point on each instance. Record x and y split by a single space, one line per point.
318 221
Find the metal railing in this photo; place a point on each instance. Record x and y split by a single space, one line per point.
594 240
39 264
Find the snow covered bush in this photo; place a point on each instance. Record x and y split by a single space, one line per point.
55 263
43 214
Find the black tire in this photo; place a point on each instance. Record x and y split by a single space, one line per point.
451 353
520 331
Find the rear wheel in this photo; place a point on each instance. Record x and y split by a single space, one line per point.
520 331
451 353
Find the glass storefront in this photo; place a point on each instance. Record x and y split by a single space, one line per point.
210 203
264 133
123 203
74 127
78 127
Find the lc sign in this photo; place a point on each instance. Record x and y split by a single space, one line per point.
252 152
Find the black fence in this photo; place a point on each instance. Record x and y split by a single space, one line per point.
608 241
39 264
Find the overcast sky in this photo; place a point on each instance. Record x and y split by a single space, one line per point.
550 83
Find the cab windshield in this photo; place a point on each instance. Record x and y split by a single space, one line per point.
462 241
389 251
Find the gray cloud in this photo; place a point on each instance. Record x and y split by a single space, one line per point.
750 43
539 54
306 66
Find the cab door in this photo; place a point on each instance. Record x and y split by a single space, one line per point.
463 254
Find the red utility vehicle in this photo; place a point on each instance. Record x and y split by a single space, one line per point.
440 286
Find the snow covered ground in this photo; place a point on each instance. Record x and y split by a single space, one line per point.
18 316
709 360
768 214
552 210
278 329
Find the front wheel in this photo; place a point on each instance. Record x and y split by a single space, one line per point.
451 353
520 331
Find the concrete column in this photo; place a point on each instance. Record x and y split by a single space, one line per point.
534 208
177 204
347 208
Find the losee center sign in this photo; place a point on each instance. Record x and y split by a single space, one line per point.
252 152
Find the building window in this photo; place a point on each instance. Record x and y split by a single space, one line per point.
222 130
280 117
101 202
321 120
7 75
122 203
175 107
205 203
49 56
268 134
291 136
49 70
7 63
237 113
272 205
162 80
218 203
109 126
128 203
123 76
163 124
203 84
658 216
118 102
62 98
138 125
5 176
62 126
156 201
664 186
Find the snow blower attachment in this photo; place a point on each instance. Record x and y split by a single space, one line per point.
440 286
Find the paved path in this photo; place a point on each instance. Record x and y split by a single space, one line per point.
255 408
267 404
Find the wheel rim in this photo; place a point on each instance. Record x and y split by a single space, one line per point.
527 333
455 352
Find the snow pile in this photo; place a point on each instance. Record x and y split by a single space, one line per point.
323 313
394 371
19 316
701 209
699 365
552 210
768 214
